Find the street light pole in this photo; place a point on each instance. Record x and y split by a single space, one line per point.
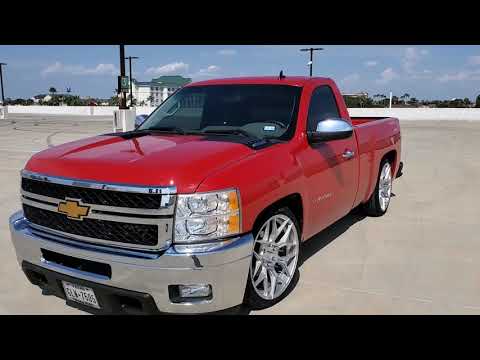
1 83
311 50
130 67
123 97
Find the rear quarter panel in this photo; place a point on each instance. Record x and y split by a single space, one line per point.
375 139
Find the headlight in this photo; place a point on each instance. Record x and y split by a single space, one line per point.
207 216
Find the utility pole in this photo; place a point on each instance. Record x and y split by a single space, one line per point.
311 57
1 82
130 67
123 96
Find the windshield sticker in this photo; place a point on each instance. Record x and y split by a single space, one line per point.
269 128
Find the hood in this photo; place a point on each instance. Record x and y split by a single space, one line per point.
154 160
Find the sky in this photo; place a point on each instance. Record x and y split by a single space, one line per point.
424 72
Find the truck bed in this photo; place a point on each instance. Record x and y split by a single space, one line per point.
356 121
375 136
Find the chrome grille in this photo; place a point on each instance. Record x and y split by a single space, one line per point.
119 215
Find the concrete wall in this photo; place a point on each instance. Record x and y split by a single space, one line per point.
72 110
469 114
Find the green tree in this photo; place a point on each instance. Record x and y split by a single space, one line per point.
477 103
404 97
52 90
113 101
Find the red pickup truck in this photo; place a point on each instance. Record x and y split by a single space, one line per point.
205 205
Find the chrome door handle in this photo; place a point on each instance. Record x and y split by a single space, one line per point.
348 154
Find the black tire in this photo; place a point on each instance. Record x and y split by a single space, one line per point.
372 206
252 300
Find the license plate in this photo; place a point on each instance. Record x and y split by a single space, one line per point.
80 294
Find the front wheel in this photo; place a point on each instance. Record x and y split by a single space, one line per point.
275 258
378 203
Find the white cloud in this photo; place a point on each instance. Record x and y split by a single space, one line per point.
58 67
211 70
101 69
370 63
172 68
460 76
227 52
474 60
387 75
411 58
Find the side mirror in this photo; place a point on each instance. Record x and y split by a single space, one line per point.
331 129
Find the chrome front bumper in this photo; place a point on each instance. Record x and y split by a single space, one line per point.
225 269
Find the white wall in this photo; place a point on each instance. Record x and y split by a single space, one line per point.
72 110
469 114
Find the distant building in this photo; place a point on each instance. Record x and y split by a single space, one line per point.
357 95
155 92
42 97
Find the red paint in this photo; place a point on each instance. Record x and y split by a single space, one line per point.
329 185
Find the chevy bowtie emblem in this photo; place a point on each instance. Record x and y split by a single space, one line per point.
73 209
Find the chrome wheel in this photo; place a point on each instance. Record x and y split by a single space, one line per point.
385 186
275 255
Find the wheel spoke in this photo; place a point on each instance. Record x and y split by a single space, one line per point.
273 279
286 235
261 277
266 233
257 266
274 230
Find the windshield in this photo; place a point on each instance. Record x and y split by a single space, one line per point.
259 111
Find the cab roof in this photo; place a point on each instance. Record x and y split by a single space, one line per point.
262 80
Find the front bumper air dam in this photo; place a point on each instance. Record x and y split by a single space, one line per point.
138 275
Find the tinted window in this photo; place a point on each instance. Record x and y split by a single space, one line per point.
265 111
322 106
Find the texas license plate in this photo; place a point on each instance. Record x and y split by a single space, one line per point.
80 294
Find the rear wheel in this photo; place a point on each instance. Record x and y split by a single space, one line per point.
274 260
378 203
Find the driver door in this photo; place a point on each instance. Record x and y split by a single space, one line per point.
330 176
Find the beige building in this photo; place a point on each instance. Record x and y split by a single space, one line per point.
154 92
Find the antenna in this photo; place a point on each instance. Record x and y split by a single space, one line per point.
281 76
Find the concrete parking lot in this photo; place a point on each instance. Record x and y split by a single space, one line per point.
422 257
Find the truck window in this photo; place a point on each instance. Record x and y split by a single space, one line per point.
322 106
264 111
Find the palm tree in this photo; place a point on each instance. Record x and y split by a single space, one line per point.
405 97
69 90
52 90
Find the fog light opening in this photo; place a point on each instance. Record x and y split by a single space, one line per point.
190 292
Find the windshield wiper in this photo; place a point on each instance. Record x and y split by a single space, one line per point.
254 142
144 132
231 131
170 129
